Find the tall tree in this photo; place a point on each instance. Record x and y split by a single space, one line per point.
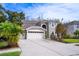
14 17
2 17
2 14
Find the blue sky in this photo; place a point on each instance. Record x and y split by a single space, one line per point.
68 12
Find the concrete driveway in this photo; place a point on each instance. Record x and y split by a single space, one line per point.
46 47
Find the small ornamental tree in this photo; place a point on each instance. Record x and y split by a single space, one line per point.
60 31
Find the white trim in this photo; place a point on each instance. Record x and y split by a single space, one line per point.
43 28
35 27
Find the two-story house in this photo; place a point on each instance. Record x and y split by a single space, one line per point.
72 27
37 29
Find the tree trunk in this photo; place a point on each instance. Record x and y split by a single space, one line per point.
60 37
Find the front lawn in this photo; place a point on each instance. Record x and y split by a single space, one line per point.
15 53
71 40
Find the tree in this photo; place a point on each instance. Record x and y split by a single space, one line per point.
76 33
2 17
12 16
2 14
11 28
16 17
60 31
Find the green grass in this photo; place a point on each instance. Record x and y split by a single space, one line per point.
71 40
3 44
15 53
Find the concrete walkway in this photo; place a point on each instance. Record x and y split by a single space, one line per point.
45 47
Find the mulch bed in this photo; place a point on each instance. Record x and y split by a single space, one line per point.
9 47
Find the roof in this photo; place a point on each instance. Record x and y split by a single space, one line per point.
28 23
55 21
73 23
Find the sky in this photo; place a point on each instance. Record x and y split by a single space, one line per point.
67 11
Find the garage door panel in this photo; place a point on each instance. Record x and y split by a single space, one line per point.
34 32
35 35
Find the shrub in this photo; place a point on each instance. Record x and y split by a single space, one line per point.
3 44
10 31
76 34
53 37
66 36
46 34
76 44
75 37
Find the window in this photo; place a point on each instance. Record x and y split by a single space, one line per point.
52 24
44 26
77 26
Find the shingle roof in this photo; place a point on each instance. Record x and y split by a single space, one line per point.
72 23
27 23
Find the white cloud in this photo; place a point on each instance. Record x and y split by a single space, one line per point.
66 11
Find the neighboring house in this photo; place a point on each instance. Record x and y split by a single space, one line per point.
72 27
47 26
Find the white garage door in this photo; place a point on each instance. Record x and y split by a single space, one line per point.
35 35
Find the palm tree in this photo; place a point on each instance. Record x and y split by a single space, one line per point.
11 32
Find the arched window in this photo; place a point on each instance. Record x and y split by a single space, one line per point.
44 26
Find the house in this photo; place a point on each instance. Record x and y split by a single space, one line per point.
39 28
72 27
